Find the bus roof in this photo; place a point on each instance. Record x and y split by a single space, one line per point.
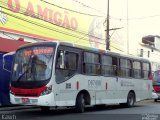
85 48
103 51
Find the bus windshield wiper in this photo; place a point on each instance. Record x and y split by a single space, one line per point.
19 78
28 67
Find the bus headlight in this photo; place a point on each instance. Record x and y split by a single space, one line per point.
11 92
47 91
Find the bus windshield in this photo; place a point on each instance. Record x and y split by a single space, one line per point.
33 64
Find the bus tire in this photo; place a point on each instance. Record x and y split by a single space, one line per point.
155 100
80 103
130 99
45 108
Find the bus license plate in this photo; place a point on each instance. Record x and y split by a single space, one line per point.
25 100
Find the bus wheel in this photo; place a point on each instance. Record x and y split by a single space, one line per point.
130 99
80 103
45 108
155 100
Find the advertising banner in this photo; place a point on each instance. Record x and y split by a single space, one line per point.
48 21
38 18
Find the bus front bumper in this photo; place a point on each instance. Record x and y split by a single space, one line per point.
45 100
158 96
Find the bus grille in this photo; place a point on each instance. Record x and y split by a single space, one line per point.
26 95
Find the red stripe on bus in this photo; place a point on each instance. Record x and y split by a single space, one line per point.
156 88
106 86
77 85
28 92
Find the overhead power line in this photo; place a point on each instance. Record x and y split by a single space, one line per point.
47 27
79 32
136 18
87 6
71 10
75 36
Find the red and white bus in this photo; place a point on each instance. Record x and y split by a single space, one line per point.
156 84
56 74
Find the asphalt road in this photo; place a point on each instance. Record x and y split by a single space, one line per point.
144 110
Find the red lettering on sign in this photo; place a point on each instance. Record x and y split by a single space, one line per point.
30 10
66 21
14 7
50 15
46 14
43 14
27 53
57 18
38 51
74 23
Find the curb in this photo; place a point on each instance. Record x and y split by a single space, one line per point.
18 107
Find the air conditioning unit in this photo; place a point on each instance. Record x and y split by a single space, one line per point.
150 40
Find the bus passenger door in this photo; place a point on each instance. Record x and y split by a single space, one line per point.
125 81
66 72
113 80
109 79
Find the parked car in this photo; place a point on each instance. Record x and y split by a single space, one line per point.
154 95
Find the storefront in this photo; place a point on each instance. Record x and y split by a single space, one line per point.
7 45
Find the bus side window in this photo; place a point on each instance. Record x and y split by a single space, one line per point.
91 63
67 60
114 65
71 61
107 68
125 67
137 69
146 70
66 66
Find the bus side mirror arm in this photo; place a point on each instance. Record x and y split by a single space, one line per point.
62 66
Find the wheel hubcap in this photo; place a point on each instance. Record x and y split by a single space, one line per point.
131 100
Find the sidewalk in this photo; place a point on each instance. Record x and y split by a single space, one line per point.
16 107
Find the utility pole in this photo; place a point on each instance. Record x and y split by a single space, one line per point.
127 31
107 30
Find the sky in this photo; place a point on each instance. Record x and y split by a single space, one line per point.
143 18
135 18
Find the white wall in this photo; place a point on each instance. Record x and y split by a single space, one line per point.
14 36
154 56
